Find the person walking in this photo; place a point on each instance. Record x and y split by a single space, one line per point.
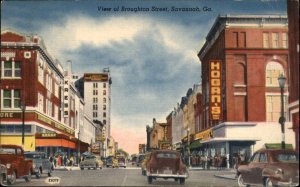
51 161
55 160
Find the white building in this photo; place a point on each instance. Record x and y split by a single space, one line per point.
97 96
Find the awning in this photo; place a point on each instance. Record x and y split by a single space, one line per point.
277 146
54 143
223 139
196 144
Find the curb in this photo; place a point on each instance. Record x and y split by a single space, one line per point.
231 177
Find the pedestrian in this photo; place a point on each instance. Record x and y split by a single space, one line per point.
51 161
55 160
71 160
59 162
65 159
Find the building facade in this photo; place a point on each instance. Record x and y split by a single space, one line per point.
97 97
242 59
36 91
293 106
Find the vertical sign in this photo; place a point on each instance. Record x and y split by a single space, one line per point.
66 98
215 89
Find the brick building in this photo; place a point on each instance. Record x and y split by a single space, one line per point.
31 77
293 17
241 60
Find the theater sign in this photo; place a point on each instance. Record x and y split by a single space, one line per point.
215 89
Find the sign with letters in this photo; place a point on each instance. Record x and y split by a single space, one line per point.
96 77
215 83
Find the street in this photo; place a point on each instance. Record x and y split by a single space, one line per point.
131 176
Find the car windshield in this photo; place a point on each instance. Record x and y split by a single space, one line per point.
166 155
121 159
31 155
7 151
287 157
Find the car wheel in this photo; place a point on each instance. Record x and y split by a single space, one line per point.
149 180
268 183
82 168
181 180
38 174
89 168
28 177
241 181
13 178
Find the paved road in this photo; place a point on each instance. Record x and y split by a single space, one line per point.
128 177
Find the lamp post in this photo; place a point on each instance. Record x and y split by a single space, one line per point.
23 108
188 140
281 81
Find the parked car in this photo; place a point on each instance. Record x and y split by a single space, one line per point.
166 164
144 163
41 163
91 161
140 159
121 162
3 175
270 167
17 166
133 160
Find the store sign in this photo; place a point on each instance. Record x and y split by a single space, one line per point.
215 89
10 115
55 124
95 77
66 98
48 134
207 134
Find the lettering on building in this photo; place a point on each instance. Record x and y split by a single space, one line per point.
66 98
96 77
215 89
10 115
204 135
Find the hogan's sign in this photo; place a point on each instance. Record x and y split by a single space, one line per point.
215 89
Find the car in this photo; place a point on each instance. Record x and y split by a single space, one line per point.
41 164
166 164
270 167
91 161
144 163
133 160
121 162
12 156
3 174
140 159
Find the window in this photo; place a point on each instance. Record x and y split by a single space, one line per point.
104 100
104 107
104 92
275 40
273 106
104 85
17 69
266 40
104 122
273 70
95 92
255 157
7 69
11 98
95 85
284 40
104 114
243 39
236 39
263 157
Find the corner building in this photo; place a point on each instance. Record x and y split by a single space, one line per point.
242 59
31 77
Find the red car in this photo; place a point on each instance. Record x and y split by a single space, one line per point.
12 156
270 167
166 164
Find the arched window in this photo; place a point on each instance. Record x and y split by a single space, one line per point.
273 70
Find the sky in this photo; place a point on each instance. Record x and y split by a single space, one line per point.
151 53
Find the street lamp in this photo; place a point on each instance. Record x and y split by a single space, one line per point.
281 81
188 140
23 108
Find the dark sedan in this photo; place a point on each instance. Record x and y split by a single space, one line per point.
270 167
166 164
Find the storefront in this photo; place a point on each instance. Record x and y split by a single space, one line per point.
243 138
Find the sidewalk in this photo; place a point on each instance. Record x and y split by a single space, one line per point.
66 168
225 173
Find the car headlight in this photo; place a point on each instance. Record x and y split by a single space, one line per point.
279 171
8 165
